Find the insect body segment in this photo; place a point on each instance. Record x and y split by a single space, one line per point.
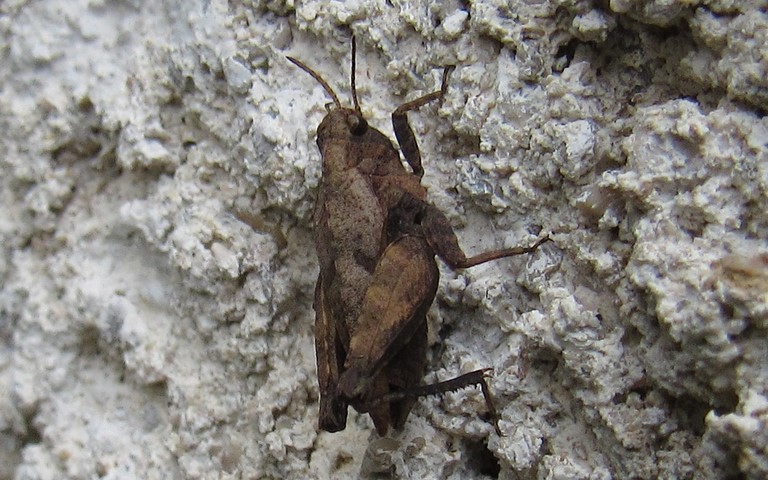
376 238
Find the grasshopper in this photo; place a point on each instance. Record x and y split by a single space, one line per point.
376 238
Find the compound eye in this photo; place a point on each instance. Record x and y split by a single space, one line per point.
357 124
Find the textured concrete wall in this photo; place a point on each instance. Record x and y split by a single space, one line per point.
158 173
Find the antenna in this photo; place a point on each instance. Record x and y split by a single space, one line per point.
352 81
322 82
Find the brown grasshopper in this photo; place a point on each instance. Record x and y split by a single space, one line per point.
376 239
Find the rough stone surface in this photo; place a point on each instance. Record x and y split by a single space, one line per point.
158 171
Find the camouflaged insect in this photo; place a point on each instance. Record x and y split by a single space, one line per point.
376 238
